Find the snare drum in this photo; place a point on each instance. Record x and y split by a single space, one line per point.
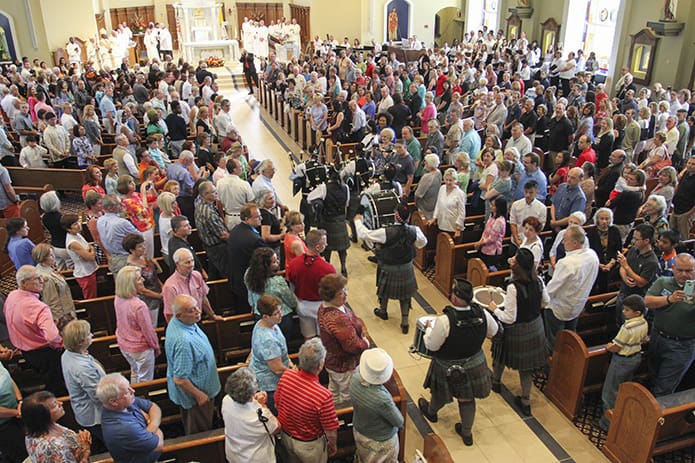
483 295
419 338
379 208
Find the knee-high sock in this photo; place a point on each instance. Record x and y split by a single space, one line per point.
467 413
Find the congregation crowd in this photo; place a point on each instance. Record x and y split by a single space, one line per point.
527 140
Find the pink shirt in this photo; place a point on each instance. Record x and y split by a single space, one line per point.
30 322
493 236
176 284
134 330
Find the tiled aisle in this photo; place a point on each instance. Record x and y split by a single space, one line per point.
500 434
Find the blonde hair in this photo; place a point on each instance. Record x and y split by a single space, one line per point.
75 333
125 281
166 201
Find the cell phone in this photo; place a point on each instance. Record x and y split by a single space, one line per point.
689 288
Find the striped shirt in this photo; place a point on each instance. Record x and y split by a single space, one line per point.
305 407
631 336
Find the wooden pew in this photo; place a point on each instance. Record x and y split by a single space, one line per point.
435 450
575 370
61 179
643 426
156 391
425 255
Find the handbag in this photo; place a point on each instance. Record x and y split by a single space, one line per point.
281 455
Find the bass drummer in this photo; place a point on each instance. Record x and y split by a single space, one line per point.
330 200
395 276
306 177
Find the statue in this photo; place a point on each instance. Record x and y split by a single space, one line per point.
523 3
393 25
4 47
670 7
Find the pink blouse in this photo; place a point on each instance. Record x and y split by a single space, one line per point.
430 112
134 330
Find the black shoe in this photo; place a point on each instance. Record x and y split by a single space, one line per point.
405 328
381 313
424 407
525 408
372 259
467 440
343 272
353 238
250 92
496 387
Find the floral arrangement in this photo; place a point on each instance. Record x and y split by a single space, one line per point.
215 62
138 25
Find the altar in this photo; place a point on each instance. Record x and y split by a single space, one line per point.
202 31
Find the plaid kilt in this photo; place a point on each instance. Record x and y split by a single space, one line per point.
522 346
479 377
336 233
396 281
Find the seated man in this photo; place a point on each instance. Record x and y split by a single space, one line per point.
130 425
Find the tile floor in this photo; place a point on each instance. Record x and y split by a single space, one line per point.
500 433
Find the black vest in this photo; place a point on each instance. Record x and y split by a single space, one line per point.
336 197
467 331
399 247
528 301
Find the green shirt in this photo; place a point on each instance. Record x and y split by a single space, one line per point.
8 399
415 152
375 415
677 319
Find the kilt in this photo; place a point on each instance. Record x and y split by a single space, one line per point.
479 377
522 346
336 233
396 281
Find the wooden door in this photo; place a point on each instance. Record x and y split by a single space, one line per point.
173 26
302 15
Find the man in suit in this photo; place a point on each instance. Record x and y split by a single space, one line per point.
243 239
249 70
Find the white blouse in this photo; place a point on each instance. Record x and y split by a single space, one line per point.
450 210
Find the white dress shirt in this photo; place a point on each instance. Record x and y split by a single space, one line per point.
245 437
520 210
572 281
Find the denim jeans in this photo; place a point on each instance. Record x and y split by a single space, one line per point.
669 360
620 370
553 326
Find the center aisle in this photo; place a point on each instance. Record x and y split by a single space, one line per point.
500 433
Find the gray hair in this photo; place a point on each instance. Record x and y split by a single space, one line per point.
580 216
109 387
660 203
263 165
177 303
607 211
241 385
387 131
119 138
25 272
110 202
311 355
180 254
259 200
186 156
50 202
205 187
431 161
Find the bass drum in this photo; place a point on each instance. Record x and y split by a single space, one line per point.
379 208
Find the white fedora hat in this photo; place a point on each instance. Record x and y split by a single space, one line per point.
376 366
